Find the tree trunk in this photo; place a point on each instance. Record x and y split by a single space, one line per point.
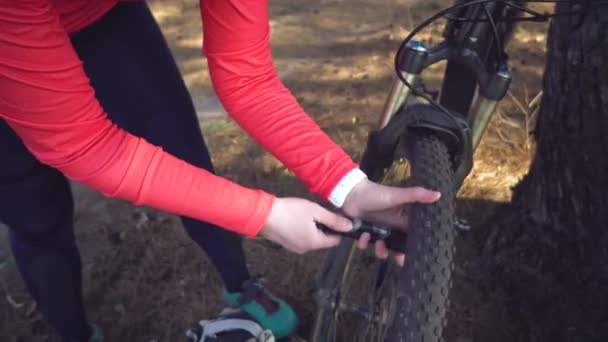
551 255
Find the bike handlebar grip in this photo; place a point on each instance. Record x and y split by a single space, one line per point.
395 240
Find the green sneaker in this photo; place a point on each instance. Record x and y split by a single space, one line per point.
269 311
96 334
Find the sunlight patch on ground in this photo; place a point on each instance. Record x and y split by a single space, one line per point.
165 11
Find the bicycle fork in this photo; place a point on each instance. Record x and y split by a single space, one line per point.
415 58
399 93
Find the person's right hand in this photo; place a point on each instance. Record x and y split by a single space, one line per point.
291 224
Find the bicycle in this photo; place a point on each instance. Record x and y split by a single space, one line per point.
438 138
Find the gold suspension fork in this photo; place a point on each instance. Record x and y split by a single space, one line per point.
410 66
482 110
484 105
397 96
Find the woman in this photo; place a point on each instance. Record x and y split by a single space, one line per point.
89 91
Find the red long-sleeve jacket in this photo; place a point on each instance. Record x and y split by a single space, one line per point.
46 97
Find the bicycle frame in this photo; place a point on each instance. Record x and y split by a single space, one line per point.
467 46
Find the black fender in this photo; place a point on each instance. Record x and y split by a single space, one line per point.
455 133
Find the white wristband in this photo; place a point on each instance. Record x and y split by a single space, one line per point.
346 184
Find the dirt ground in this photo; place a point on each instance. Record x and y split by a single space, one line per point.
144 280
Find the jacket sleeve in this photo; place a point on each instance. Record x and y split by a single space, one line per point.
236 43
48 101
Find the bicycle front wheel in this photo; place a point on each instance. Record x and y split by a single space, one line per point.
424 283
397 304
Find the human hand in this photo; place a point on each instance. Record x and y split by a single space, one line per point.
292 224
384 204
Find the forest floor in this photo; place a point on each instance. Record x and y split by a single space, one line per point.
144 280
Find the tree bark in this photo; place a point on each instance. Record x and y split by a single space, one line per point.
551 255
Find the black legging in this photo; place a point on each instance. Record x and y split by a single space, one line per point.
137 82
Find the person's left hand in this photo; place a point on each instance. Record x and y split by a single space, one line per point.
384 204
